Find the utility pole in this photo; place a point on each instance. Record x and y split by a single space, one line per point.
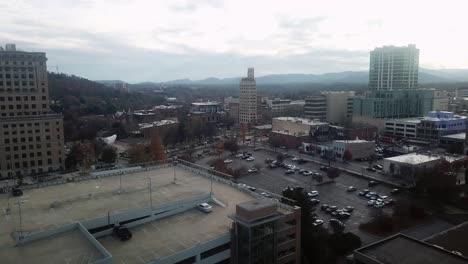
174 164
120 183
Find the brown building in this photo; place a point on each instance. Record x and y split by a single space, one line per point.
31 134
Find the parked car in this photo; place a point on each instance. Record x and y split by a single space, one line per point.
348 209
324 207
250 159
351 189
240 155
16 191
370 169
252 170
267 195
361 193
324 168
268 161
295 159
371 202
337 225
227 161
314 201
317 222
204 207
395 191
301 161
377 167
122 233
289 171
272 166
307 173
372 183
313 193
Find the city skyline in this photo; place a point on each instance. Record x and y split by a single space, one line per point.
146 41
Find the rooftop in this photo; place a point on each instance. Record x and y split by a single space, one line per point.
354 141
418 158
304 121
157 123
50 207
206 103
460 136
401 249
453 239
414 158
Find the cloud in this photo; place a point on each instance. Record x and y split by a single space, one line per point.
161 40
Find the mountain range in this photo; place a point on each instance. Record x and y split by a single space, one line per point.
426 76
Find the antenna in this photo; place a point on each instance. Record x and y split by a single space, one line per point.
57 68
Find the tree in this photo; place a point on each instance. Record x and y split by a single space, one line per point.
237 173
109 154
280 158
231 145
157 147
220 148
347 156
275 142
333 173
139 154
372 159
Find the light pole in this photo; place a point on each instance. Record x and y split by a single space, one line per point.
120 183
8 196
20 219
150 194
211 183
174 164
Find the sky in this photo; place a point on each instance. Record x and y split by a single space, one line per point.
160 40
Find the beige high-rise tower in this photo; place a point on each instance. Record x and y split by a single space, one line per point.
248 99
31 135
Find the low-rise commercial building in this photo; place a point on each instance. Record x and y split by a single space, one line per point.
353 149
438 124
292 131
285 107
401 128
163 127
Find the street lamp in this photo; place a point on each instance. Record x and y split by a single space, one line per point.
174 164
150 194
20 218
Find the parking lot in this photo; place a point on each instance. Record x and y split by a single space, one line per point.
331 193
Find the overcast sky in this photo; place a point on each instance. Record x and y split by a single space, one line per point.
163 40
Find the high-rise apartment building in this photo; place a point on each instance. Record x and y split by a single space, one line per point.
333 107
31 134
248 99
393 82
393 68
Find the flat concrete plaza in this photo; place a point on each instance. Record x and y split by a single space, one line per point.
53 206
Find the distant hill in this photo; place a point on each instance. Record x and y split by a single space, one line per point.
61 85
426 76
109 83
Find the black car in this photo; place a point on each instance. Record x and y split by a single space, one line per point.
344 215
16 191
370 169
324 207
372 183
337 225
289 171
272 166
122 233
348 209
301 161
314 201
324 168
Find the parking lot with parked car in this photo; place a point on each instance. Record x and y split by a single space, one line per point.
343 195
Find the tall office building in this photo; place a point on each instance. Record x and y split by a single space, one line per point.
333 107
31 134
393 68
248 99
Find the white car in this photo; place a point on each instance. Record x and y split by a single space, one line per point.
242 185
226 161
295 159
370 202
250 159
253 170
240 155
307 173
379 204
204 207
313 194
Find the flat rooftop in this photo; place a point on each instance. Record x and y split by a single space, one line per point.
460 136
401 249
53 206
453 239
68 247
304 121
414 158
